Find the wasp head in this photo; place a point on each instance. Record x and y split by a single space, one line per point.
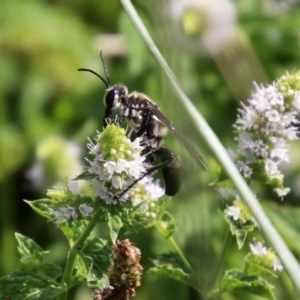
115 96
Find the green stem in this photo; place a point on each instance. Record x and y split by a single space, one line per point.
226 244
72 253
160 227
178 250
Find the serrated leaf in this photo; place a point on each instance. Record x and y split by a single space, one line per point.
93 263
73 229
31 254
22 285
99 251
42 207
114 224
253 269
52 270
169 265
236 280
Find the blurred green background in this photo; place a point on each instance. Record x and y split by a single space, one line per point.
48 109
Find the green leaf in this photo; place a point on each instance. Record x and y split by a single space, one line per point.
73 229
236 280
52 270
169 265
42 207
99 251
99 283
166 225
257 268
93 263
84 176
240 231
31 254
115 224
22 285
83 266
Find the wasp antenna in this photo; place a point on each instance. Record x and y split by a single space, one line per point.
93 72
105 68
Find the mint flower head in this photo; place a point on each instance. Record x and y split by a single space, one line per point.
264 127
116 163
69 205
265 257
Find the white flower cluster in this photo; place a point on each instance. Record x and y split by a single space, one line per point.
69 213
259 250
264 127
147 192
117 163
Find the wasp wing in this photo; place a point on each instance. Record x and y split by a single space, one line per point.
189 147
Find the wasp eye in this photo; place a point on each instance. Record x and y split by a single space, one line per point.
110 97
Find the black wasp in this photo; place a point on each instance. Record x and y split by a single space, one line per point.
146 119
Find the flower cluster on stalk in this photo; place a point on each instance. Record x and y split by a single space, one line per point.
265 257
264 127
115 164
117 172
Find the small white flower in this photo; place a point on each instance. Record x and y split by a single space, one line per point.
154 190
136 168
272 169
282 192
136 144
280 152
273 115
258 249
94 148
59 215
291 133
122 166
110 167
259 149
85 209
116 182
73 187
247 118
234 212
100 189
69 212
244 169
277 266
94 168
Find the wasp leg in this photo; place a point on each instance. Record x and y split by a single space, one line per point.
145 125
171 170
